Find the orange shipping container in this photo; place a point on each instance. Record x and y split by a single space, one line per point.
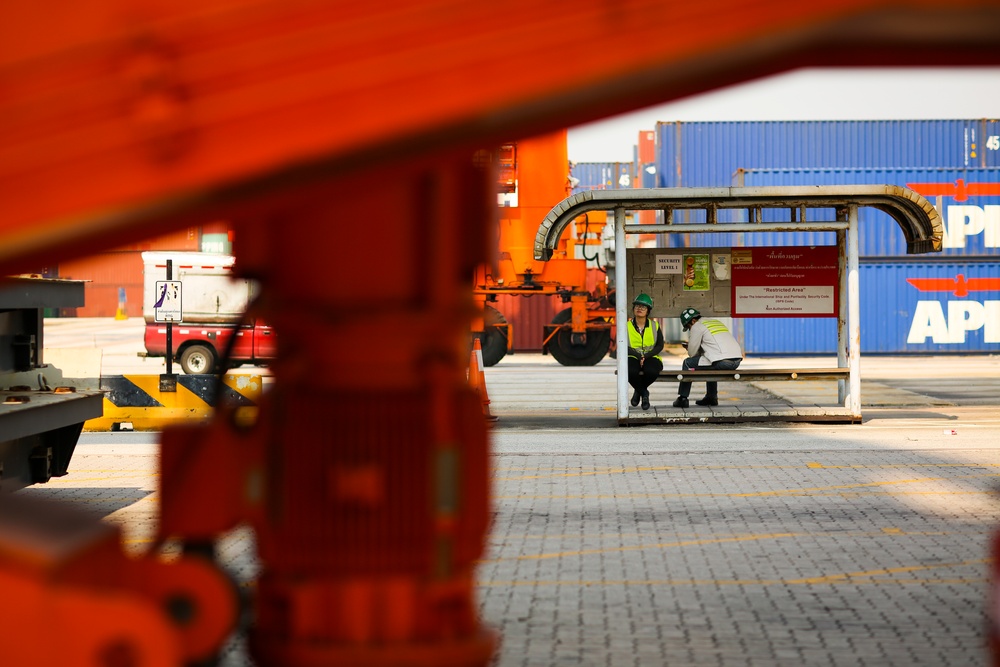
188 239
118 273
527 315
106 274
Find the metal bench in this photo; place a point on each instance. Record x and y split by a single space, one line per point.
754 374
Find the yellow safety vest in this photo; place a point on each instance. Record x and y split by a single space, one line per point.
638 341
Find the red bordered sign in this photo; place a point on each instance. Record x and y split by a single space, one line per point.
793 281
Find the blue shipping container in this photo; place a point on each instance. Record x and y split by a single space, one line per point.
602 176
940 307
968 200
708 154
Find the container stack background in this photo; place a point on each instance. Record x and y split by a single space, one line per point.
942 303
945 303
114 278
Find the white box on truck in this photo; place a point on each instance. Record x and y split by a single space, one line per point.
209 293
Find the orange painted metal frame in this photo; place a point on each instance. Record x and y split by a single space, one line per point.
121 116
354 125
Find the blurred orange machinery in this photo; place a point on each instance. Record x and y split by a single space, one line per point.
532 177
339 138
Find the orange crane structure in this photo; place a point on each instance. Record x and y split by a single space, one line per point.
314 126
532 177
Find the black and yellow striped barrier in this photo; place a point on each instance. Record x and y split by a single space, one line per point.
135 402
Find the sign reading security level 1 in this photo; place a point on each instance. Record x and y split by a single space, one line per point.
167 307
669 264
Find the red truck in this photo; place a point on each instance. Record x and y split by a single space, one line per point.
199 348
213 303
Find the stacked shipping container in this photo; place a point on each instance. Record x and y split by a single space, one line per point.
927 303
945 303
114 278
948 302
709 154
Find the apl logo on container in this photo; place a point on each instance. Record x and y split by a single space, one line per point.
929 318
966 220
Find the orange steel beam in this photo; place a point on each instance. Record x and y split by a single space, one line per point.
122 118
338 137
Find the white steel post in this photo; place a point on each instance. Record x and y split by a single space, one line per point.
842 335
853 313
621 313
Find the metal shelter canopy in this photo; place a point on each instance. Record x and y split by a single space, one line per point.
919 220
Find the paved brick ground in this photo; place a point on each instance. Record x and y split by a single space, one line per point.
723 559
819 558
865 547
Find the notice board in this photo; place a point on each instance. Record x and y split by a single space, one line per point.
785 281
679 278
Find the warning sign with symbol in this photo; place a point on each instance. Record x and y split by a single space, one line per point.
167 307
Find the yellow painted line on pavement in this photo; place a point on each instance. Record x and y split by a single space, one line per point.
809 491
972 581
812 465
841 487
846 576
888 466
130 502
501 538
612 471
667 496
70 480
838 487
641 547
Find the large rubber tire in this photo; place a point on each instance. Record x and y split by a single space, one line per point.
197 360
494 340
588 354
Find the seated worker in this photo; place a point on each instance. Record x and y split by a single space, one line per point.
709 339
645 341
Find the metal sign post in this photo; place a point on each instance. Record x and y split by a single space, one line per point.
168 308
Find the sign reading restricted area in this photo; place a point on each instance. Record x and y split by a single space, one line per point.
785 281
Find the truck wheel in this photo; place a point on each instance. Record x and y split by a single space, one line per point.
566 353
494 340
197 360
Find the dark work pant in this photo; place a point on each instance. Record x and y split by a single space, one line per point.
711 388
650 371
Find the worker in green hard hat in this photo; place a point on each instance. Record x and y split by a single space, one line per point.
645 341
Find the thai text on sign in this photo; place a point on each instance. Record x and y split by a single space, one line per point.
797 281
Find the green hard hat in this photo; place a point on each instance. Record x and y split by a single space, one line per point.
687 315
643 300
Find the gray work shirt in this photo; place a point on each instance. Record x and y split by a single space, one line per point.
712 340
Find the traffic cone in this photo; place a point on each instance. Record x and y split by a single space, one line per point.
477 379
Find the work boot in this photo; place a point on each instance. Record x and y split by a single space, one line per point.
681 402
635 397
645 399
708 400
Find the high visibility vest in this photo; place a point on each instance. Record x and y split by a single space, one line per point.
647 340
